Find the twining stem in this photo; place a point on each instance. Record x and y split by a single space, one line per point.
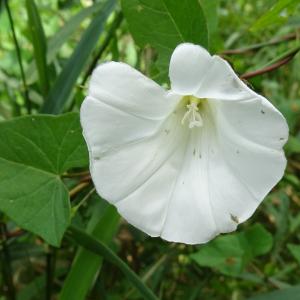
15 233
114 26
83 200
99 248
78 188
289 53
272 67
19 57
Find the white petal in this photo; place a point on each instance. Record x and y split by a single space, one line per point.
193 71
160 184
188 66
123 87
207 195
241 160
251 135
221 82
185 185
190 217
123 106
139 177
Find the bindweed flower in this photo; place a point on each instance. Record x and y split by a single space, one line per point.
185 164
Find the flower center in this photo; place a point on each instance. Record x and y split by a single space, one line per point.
192 114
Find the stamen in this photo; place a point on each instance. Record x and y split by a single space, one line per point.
193 115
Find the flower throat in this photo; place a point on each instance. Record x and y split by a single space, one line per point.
192 115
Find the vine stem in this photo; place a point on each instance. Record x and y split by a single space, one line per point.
78 188
83 200
272 67
26 93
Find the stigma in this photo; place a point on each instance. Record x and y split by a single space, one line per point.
192 114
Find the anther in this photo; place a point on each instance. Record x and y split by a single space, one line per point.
193 115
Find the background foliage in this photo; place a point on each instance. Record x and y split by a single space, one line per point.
59 240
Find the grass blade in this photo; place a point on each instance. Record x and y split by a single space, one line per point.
103 230
102 250
56 42
39 44
12 26
273 14
62 88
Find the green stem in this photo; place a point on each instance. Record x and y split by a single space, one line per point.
273 65
82 201
26 93
287 54
97 247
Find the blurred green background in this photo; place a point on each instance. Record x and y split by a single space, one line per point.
48 49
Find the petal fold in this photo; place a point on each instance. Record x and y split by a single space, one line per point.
188 66
251 135
193 71
123 106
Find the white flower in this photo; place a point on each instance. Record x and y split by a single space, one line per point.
185 164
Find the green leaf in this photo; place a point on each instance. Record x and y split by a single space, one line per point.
104 231
62 88
273 16
291 293
175 22
231 253
210 9
295 251
39 44
99 248
34 151
56 42
259 240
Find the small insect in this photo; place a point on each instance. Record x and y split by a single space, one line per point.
263 112
234 218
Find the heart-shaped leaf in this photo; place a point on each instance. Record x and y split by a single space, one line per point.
34 152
